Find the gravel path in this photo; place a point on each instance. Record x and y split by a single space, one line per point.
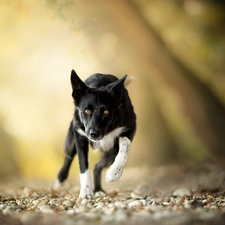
142 200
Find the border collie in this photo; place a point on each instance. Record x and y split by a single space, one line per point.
105 118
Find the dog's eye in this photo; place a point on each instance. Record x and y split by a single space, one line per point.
106 112
87 111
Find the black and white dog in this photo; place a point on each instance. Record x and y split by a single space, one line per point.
104 117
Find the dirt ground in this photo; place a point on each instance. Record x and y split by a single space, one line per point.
163 195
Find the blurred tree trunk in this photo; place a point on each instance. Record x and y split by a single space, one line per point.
141 52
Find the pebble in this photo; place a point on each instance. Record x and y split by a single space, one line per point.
118 208
99 205
46 209
180 192
68 203
179 201
100 194
120 204
187 204
35 202
41 203
143 201
135 195
136 203
166 203
71 211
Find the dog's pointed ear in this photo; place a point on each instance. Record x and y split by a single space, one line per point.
116 87
78 86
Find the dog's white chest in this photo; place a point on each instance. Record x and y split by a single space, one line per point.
108 140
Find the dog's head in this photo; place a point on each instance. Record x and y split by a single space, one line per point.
97 107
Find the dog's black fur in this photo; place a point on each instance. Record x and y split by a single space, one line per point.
103 114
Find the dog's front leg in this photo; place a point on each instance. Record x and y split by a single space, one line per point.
116 169
86 191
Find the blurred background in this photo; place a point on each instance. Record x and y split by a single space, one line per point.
174 52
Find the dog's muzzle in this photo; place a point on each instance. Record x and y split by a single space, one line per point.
95 135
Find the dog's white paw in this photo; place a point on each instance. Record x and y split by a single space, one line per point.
114 173
86 191
57 185
99 194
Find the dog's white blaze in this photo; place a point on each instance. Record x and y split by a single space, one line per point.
81 132
116 169
107 142
86 185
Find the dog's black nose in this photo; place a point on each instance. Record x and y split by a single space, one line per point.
94 134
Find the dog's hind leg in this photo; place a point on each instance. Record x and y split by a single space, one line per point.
107 159
70 152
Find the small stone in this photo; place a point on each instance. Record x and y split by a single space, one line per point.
68 203
100 205
151 208
16 207
52 202
180 201
134 204
122 197
70 211
135 195
180 192
46 209
205 202
98 199
42 203
35 202
120 205
99 194
187 204
158 200
143 201
166 203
